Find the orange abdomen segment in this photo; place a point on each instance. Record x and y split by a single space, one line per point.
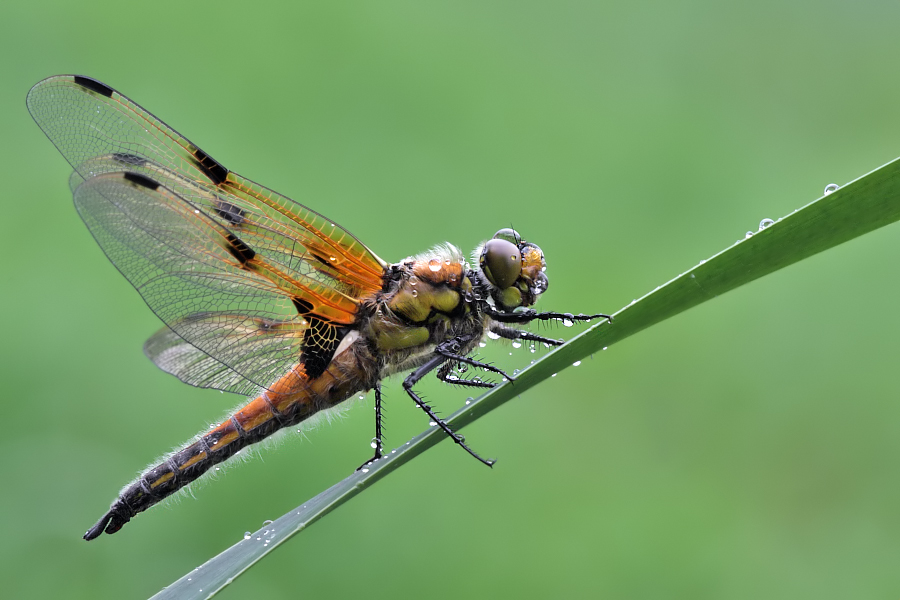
290 400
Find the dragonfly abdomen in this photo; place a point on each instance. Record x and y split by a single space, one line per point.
291 400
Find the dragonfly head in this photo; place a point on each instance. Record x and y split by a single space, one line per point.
513 268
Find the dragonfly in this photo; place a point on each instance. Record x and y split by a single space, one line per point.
264 297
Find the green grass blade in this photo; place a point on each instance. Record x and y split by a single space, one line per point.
863 205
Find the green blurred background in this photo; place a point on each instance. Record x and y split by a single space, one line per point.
746 449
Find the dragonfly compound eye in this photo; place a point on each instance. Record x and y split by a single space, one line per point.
501 262
510 235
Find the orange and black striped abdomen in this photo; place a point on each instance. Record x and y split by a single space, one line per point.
291 400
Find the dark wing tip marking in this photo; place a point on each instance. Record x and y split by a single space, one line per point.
210 166
94 85
141 180
239 249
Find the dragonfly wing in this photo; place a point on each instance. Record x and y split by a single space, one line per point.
87 119
211 252
209 286
265 348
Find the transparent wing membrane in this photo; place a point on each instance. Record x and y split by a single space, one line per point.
234 269
264 348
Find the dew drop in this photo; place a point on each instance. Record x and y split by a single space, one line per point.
568 323
605 347
247 535
766 223
469 401
531 348
748 234
576 363
364 470
431 423
362 396
554 375
415 293
493 336
267 522
332 259
517 344
831 187
374 443
481 345
434 264
413 280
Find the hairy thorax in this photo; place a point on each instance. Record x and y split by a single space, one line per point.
426 300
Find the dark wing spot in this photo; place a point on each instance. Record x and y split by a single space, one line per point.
231 213
321 260
239 249
94 85
129 159
141 180
303 307
210 167
319 343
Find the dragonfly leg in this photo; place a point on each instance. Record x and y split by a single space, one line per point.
412 379
529 315
377 440
450 349
520 334
445 376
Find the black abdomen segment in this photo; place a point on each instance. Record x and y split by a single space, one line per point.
190 463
